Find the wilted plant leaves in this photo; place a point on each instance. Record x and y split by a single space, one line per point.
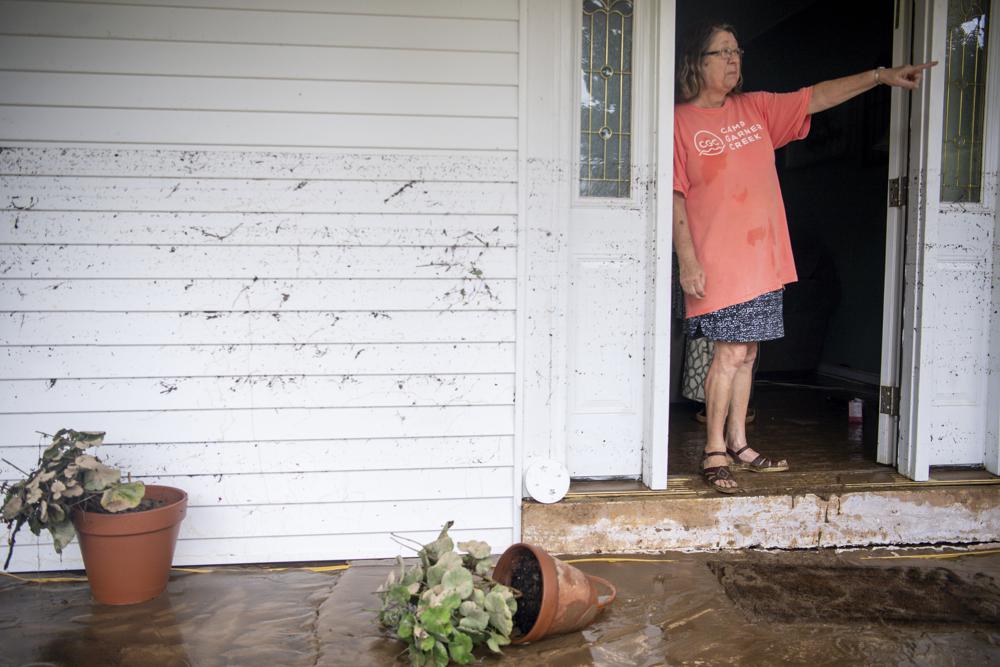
123 496
500 615
447 562
90 438
12 507
436 620
458 580
475 620
460 648
495 641
405 630
413 575
440 655
100 477
438 547
475 548
73 489
87 462
441 545
62 534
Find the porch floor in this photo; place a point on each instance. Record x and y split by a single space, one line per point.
804 423
926 606
835 494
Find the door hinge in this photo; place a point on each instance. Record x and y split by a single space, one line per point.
888 401
899 192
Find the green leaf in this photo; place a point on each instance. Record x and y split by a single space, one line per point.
441 545
121 497
90 438
500 614
405 630
475 548
507 595
100 477
56 513
483 566
475 620
495 641
460 648
436 620
413 574
398 594
62 534
459 581
440 655
427 643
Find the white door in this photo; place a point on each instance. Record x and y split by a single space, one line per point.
949 263
607 239
895 242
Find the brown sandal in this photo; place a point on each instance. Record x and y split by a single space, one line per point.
715 474
759 464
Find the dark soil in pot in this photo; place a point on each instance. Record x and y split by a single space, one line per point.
146 504
526 577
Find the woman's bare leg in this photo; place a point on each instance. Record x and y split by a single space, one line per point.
727 361
736 424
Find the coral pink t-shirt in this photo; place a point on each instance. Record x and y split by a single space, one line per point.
724 167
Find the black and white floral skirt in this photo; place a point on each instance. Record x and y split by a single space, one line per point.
760 318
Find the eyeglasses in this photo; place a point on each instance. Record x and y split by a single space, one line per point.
728 54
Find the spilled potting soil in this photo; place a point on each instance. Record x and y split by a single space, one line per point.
743 608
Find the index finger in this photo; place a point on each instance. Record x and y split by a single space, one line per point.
926 65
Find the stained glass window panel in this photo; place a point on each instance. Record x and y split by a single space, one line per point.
964 101
606 98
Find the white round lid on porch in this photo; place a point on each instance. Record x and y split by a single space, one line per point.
546 480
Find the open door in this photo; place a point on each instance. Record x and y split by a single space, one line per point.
948 269
895 238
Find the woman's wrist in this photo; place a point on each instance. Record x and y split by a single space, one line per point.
878 75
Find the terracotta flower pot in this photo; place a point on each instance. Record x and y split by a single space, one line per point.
128 556
569 597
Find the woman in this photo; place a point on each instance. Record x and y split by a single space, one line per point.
730 231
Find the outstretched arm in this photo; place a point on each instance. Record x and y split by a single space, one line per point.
830 93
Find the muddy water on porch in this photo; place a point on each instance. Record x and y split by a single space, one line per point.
747 608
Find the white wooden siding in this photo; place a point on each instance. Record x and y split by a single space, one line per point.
270 248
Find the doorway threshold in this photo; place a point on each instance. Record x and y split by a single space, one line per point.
692 486
791 511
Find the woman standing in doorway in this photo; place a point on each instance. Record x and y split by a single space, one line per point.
730 231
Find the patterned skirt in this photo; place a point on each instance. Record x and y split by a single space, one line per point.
758 319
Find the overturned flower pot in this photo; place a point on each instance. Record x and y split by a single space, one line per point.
128 555
555 596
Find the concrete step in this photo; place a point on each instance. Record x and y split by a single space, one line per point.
780 511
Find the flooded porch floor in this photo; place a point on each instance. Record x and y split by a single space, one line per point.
805 423
927 607
835 494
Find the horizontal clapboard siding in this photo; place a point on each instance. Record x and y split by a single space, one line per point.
270 248
350 294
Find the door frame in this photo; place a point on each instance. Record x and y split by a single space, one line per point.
895 241
922 204
547 63
660 272
922 319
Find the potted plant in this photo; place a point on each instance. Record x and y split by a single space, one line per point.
127 530
446 605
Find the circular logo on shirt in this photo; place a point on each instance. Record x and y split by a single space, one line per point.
707 143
